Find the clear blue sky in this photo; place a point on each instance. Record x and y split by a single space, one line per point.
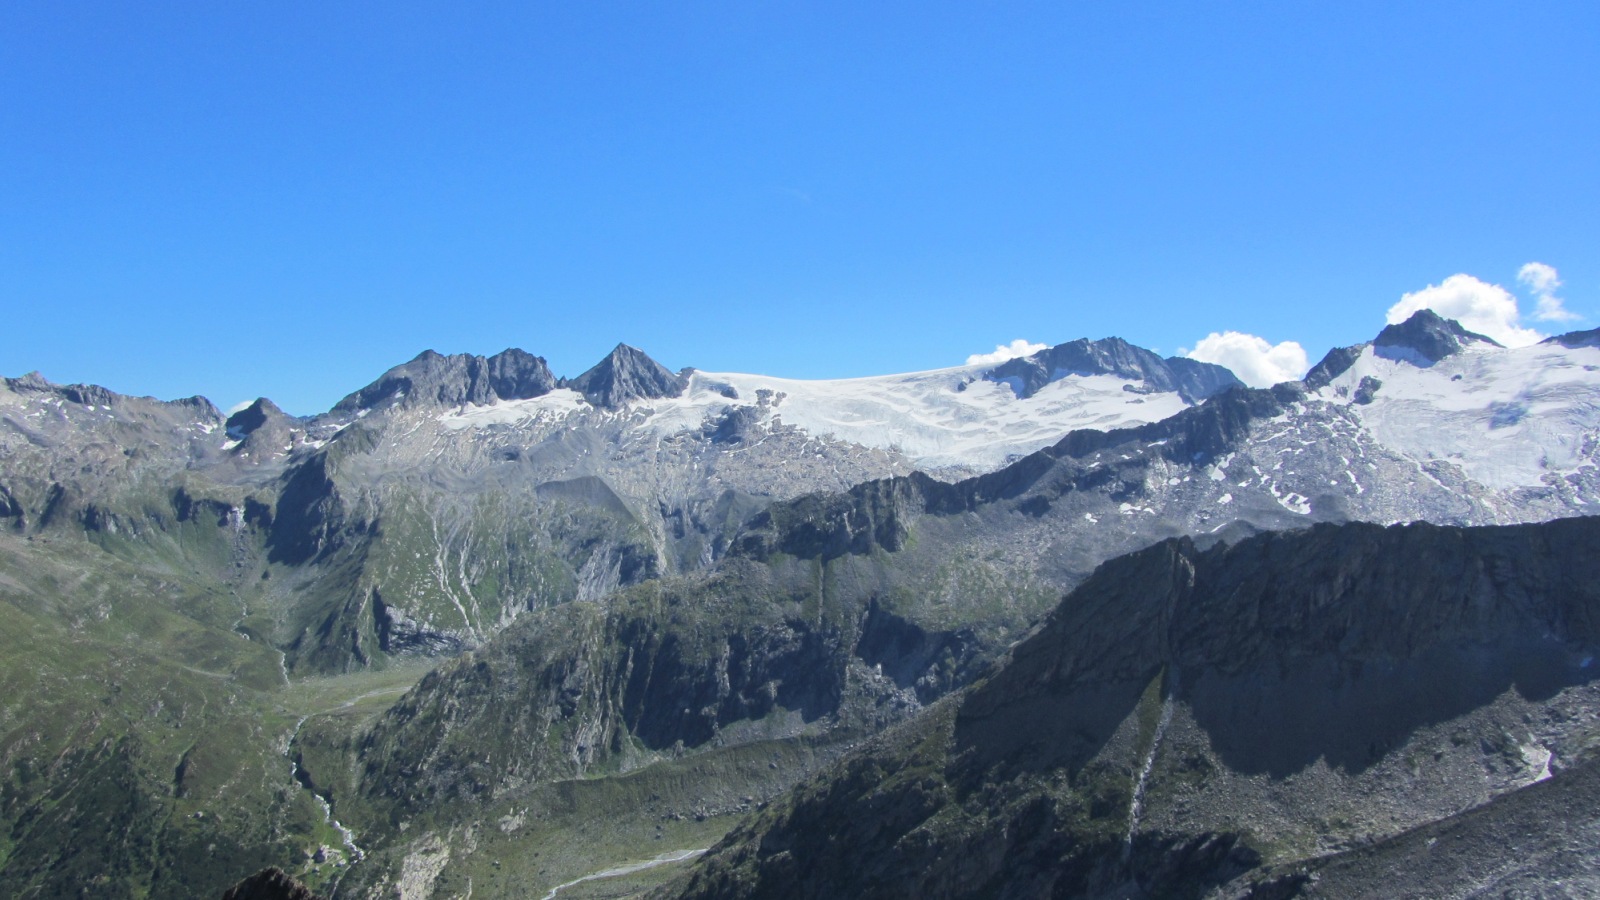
236 199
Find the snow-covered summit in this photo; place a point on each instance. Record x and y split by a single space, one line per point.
1508 417
963 418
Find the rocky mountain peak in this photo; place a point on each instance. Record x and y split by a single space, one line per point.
1426 338
31 382
253 417
261 427
627 373
1191 379
455 380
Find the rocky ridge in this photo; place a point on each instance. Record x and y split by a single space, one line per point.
1192 380
1187 716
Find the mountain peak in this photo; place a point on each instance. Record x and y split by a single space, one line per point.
1426 338
454 380
33 381
627 373
1191 379
253 417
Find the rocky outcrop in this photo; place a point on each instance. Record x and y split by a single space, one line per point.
309 518
1426 338
434 379
663 668
1590 338
627 374
261 429
1335 363
1191 379
1423 340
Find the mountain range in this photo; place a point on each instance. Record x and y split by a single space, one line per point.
479 629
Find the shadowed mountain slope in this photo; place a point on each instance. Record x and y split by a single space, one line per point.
1187 715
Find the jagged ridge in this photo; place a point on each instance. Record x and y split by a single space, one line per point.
1191 379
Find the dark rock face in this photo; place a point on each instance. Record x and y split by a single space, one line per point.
246 421
667 664
270 884
309 516
518 375
1328 647
1426 338
261 426
1590 338
1336 363
454 380
627 374
1360 626
735 426
826 526
1367 390
398 633
1191 379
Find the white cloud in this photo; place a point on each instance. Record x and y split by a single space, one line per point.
1487 309
1003 352
1543 281
1539 278
1256 362
241 406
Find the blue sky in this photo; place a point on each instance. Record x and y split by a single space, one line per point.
286 199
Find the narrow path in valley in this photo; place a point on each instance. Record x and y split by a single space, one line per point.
629 869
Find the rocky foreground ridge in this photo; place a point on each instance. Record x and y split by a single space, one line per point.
1217 722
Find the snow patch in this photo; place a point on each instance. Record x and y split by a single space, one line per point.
1506 417
554 406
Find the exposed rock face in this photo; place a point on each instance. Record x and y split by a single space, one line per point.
1187 715
1191 379
262 429
434 379
627 374
1426 338
249 420
1590 338
270 884
1335 363
664 667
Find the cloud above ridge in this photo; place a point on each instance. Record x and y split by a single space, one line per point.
1487 309
1543 281
1003 352
1257 362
